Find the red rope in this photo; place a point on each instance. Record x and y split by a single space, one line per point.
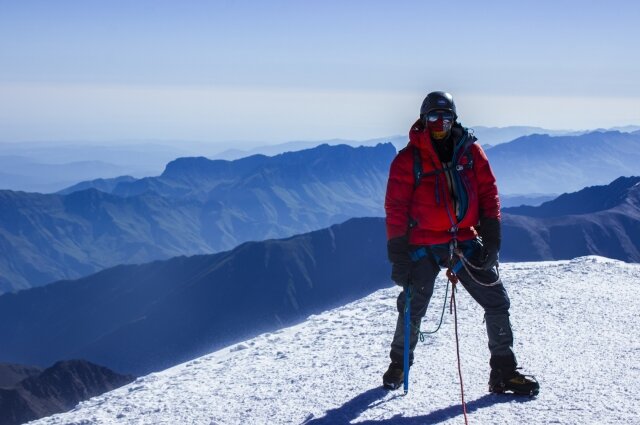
454 279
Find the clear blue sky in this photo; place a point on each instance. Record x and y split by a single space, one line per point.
289 70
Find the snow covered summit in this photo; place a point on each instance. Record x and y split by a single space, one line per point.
576 329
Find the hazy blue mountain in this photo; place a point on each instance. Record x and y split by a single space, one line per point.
56 389
202 178
276 149
487 136
47 167
588 200
538 165
545 164
398 141
103 185
20 173
52 166
532 199
625 128
120 152
139 318
196 206
498 135
602 220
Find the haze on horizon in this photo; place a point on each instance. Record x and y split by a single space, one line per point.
284 70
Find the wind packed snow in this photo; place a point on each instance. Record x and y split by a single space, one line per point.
576 328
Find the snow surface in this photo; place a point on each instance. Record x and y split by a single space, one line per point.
576 329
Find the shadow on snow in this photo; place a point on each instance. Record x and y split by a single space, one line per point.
373 397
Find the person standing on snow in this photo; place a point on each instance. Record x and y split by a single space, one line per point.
454 200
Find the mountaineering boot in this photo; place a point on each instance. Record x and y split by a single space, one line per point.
393 378
501 381
505 377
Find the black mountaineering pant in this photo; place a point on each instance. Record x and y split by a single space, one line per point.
493 299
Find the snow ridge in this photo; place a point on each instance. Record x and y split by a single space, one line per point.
575 329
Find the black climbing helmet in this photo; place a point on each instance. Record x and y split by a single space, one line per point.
438 100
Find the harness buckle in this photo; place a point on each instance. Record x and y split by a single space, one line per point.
453 246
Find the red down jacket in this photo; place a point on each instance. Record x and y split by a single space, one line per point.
430 205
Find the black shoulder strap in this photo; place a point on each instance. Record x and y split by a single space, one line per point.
417 167
470 140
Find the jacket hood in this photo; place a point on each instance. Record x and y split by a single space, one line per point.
418 137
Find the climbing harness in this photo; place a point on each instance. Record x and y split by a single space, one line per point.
462 262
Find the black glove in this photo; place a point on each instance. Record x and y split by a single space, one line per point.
398 252
491 238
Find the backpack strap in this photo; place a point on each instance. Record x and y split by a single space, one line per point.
417 168
469 139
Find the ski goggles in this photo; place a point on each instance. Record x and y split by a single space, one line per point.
434 116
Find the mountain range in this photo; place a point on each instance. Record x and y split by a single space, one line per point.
47 167
53 390
601 220
199 206
535 164
545 164
196 206
20 173
139 318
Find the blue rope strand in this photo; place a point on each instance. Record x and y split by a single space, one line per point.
422 335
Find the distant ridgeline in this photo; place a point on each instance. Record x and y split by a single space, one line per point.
196 206
544 164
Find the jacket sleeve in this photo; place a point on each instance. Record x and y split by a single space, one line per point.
399 194
487 188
